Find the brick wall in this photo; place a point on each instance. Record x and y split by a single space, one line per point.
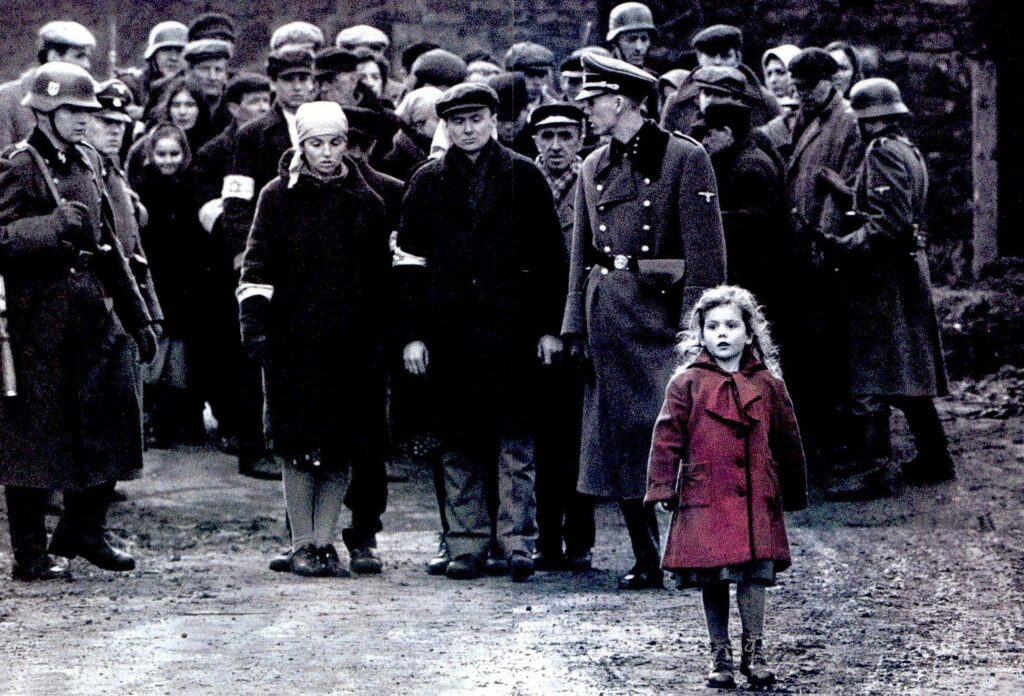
922 44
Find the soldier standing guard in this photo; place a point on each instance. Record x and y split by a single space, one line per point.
75 424
480 277
647 242
895 348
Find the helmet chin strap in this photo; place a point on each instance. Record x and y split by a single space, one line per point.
54 133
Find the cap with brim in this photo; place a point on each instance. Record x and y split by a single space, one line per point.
243 84
813 65
332 61
212 25
604 75
571 67
467 96
720 79
290 61
718 38
361 35
529 56
206 49
296 34
556 115
114 98
66 34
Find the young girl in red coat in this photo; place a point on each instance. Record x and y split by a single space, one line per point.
726 458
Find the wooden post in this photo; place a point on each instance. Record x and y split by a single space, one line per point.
985 114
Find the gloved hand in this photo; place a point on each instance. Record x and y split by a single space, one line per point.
74 226
145 340
253 313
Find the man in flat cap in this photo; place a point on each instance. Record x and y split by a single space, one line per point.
513 99
366 39
255 161
212 25
824 152
718 46
438 68
537 64
647 241
479 273
206 64
67 42
565 517
336 75
480 66
297 35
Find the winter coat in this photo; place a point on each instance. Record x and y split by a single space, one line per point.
726 453
387 187
261 143
176 247
405 156
321 250
490 287
659 209
895 345
16 121
76 422
757 234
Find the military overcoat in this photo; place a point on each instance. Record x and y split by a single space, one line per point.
895 345
76 420
654 212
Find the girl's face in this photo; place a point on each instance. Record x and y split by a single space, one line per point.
184 111
168 61
324 154
371 76
725 334
168 156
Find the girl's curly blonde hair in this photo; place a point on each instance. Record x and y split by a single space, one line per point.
690 345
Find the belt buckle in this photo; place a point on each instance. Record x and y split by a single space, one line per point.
620 262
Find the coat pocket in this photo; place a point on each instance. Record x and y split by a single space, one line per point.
692 484
661 274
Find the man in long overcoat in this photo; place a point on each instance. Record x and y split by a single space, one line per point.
895 348
647 242
73 311
479 280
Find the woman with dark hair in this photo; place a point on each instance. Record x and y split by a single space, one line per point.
183 106
849 72
174 242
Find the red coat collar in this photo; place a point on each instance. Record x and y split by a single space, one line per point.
735 392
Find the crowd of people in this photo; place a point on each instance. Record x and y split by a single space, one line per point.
485 264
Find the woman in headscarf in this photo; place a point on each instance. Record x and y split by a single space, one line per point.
313 309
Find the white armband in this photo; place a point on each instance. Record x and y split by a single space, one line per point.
238 186
247 290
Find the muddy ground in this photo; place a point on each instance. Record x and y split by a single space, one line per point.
919 594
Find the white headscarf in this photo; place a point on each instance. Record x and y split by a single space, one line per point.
317 119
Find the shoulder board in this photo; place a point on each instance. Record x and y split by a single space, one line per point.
15 149
684 136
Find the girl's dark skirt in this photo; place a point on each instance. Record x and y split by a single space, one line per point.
760 572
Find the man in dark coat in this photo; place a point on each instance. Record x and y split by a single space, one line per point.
73 311
563 513
257 155
222 363
480 268
895 349
647 242
825 150
751 194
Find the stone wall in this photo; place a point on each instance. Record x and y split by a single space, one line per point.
924 45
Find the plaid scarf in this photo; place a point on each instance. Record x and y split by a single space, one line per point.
561 184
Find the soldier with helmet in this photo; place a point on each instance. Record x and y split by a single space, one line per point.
895 351
631 30
69 42
163 59
78 323
647 241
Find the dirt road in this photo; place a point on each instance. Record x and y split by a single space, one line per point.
922 593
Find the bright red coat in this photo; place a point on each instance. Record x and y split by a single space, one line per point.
726 449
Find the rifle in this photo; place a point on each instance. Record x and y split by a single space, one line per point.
8 378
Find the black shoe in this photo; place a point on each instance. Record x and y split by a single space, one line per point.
522 566
720 676
581 563
439 563
263 467
544 561
496 564
925 470
464 567
642 579
42 567
306 562
282 563
98 552
332 567
365 560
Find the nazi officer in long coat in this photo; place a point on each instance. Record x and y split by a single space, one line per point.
73 312
480 283
647 241
895 347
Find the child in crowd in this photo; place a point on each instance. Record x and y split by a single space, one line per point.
727 459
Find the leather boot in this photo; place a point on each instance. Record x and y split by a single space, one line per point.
642 526
752 663
867 476
439 563
932 463
721 674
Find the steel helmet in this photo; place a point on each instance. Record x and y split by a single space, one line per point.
60 84
876 97
630 16
166 35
